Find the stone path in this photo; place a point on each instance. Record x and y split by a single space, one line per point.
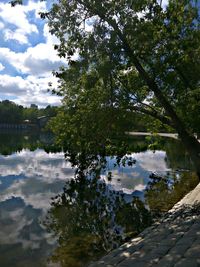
172 241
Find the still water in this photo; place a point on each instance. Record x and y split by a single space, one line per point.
30 178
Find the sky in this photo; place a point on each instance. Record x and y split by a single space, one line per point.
27 57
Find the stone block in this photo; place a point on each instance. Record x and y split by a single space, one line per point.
186 262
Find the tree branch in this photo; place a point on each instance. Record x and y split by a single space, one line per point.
177 122
153 114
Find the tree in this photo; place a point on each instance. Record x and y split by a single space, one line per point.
143 56
10 112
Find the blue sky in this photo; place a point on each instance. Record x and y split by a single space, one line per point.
27 57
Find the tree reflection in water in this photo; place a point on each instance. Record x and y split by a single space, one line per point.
89 219
163 192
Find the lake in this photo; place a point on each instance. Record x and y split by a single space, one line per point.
30 179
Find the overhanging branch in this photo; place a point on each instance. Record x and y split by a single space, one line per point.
153 114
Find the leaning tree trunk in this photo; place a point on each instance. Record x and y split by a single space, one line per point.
190 142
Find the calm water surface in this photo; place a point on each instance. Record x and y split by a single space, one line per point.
30 177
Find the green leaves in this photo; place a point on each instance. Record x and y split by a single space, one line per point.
16 2
125 56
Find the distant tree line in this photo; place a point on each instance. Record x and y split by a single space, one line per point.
10 112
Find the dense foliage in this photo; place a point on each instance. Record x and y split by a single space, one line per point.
13 113
124 57
124 37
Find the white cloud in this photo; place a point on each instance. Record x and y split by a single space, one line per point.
29 90
1 25
17 35
152 161
37 7
19 219
45 175
39 165
140 187
165 2
42 100
1 67
20 21
15 59
8 84
10 232
23 27
50 39
88 23
38 60
35 198
41 58
136 177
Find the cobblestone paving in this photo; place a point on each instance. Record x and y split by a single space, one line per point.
172 241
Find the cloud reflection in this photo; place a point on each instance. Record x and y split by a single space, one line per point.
28 181
135 177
